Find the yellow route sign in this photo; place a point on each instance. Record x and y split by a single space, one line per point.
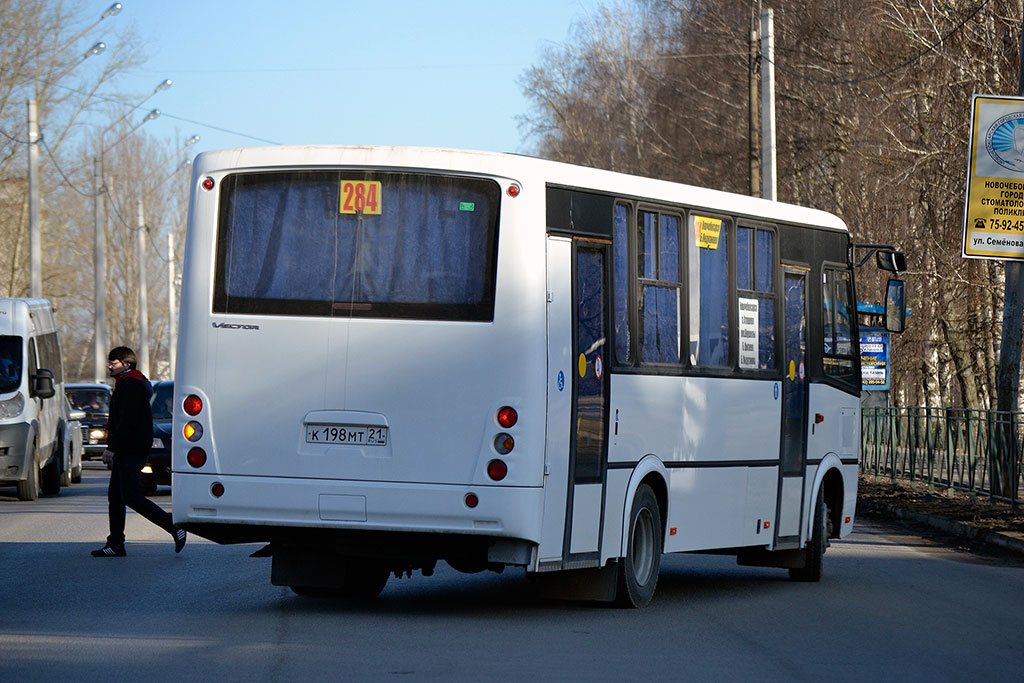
994 206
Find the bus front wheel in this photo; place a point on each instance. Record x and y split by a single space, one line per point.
638 570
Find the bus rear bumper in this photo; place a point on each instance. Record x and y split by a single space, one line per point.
255 509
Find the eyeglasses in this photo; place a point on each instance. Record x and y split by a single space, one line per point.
115 362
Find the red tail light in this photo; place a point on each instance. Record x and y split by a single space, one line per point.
196 457
497 470
217 489
507 417
193 405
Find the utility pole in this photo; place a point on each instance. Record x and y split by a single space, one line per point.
1008 375
172 304
754 110
35 247
100 279
768 105
140 242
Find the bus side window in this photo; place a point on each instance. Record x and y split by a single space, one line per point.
660 287
837 305
755 284
623 352
708 257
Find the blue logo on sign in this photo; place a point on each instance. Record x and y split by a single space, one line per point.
561 380
775 391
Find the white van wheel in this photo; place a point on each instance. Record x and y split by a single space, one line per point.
29 489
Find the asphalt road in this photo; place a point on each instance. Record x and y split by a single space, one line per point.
892 607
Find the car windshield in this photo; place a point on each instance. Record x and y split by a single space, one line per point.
162 401
92 401
10 363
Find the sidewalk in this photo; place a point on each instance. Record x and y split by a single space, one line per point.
995 526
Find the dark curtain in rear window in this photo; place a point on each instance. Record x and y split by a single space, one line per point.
284 246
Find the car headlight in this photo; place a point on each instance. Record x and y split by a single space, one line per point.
97 433
12 407
157 443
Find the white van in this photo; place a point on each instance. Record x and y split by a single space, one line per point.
33 413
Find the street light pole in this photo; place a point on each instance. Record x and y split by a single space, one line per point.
140 244
99 239
100 270
35 258
172 304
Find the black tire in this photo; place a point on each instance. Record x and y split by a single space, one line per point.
76 475
639 569
29 489
364 579
65 472
50 479
815 550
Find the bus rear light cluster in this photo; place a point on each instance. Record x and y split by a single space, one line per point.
507 418
193 431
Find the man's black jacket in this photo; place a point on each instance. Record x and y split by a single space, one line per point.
130 425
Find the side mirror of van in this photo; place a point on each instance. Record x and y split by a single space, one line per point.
42 384
891 261
895 307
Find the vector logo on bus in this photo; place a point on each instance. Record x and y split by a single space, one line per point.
234 326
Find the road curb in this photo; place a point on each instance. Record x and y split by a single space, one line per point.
958 529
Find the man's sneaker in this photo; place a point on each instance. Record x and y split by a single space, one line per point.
179 539
110 551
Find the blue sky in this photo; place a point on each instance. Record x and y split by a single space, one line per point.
307 71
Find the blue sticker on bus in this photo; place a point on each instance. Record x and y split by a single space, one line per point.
775 391
561 380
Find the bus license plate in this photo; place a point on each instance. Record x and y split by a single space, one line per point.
352 435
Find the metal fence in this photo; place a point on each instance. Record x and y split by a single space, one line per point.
978 451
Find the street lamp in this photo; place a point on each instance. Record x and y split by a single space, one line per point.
99 238
35 249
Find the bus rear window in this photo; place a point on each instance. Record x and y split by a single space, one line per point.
357 243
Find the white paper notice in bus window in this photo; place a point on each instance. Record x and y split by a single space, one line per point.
748 334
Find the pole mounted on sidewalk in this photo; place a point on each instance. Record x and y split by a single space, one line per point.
1008 377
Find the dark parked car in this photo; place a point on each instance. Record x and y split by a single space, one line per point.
94 401
157 471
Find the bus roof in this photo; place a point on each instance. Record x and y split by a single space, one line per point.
513 166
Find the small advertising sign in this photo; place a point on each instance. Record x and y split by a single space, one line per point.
994 206
874 359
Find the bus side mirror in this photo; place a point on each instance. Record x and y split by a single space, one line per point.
42 384
891 261
895 307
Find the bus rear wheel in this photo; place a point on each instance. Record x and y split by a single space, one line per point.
639 569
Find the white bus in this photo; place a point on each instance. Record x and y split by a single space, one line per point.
394 356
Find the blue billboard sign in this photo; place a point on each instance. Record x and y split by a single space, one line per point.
874 359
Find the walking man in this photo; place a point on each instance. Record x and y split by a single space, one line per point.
129 437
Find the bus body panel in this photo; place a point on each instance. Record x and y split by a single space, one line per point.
697 426
269 503
836 442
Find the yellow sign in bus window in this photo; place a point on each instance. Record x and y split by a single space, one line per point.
707 231
361 196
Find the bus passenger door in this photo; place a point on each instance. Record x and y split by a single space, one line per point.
588 446
794 410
